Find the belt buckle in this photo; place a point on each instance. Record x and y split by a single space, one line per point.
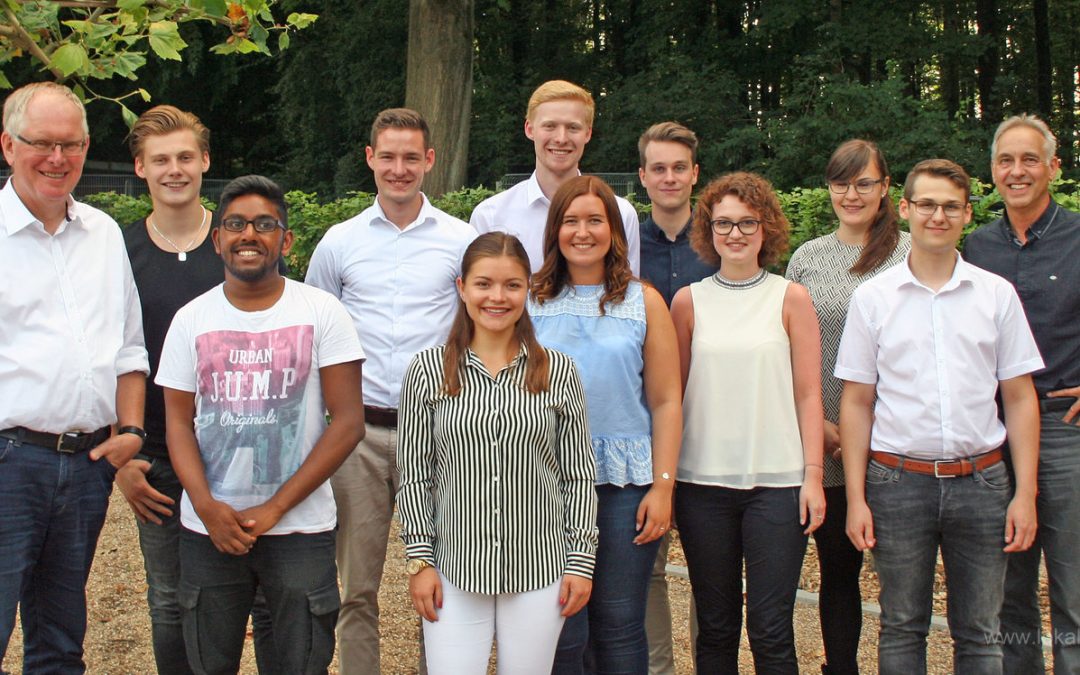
943 461
60 438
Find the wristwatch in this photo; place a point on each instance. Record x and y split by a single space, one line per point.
138 431
415 565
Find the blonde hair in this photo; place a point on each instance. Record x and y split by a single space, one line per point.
18 100
165 119
561 90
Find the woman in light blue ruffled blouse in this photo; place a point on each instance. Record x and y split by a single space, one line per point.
586 303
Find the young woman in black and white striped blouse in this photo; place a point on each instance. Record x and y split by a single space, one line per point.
497 503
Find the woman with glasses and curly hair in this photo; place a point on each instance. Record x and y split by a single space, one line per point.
586 303
749 478
867 240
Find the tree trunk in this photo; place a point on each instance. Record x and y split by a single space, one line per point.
989 60
1044 91
950 63
439 83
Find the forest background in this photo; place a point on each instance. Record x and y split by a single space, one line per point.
769 85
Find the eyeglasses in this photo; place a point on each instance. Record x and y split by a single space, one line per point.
43 147
862 187
927 207
723 226
262 224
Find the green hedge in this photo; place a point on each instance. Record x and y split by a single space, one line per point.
808 209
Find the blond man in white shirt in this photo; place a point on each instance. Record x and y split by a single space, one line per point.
559 123
72 376
393 266
926 346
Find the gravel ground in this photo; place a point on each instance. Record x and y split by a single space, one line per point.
118 635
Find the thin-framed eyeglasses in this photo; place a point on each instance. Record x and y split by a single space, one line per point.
262 224
928 207
723 226
44 147
864 186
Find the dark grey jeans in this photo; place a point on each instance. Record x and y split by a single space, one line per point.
297 575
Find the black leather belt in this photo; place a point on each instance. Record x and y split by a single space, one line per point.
380 417
68 442
1056 404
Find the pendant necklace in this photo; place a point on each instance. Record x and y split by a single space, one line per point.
181 253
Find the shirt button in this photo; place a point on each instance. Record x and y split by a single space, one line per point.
674 274
496 512
495 479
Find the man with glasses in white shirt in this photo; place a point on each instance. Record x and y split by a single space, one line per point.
72 376
926 346
393 266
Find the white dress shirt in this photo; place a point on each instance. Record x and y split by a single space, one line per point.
398 285
71 318
523 210
936 359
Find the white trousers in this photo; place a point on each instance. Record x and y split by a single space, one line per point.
527 626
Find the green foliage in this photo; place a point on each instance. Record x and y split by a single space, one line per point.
110 38
124 209
461 203
809 211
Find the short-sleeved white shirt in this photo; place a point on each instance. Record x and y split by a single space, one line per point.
522 211
936 358
258 397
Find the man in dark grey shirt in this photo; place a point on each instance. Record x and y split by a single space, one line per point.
1036 246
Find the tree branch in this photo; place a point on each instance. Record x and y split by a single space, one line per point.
22 38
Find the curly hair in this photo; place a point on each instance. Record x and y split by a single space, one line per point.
760 197
554 275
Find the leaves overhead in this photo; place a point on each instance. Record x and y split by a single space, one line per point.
82 40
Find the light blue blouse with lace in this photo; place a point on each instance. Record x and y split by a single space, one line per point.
608 352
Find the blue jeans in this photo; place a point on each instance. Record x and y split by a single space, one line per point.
1058 504
608 635
52 507
719 528
160 546
298 576
914 514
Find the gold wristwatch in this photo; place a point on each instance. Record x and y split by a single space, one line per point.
414 565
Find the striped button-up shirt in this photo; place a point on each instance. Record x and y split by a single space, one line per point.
497 483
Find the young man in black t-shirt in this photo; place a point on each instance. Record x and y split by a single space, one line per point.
173 261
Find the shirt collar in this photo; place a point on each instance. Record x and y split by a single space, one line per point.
653 230
1039 227
961 274
474 361
17 217
427 212
533 192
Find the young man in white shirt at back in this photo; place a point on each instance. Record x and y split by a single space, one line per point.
559 122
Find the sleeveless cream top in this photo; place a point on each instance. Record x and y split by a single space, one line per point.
739 423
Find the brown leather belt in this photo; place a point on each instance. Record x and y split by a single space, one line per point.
942 468
68 442
380 417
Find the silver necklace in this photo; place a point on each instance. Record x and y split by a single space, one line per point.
181 253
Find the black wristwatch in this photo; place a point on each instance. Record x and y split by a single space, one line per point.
138 431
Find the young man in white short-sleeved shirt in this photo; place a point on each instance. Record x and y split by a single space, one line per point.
926 347
250 370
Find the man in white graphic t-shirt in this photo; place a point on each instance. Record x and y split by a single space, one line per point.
250 369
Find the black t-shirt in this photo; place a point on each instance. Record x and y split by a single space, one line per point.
165 285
